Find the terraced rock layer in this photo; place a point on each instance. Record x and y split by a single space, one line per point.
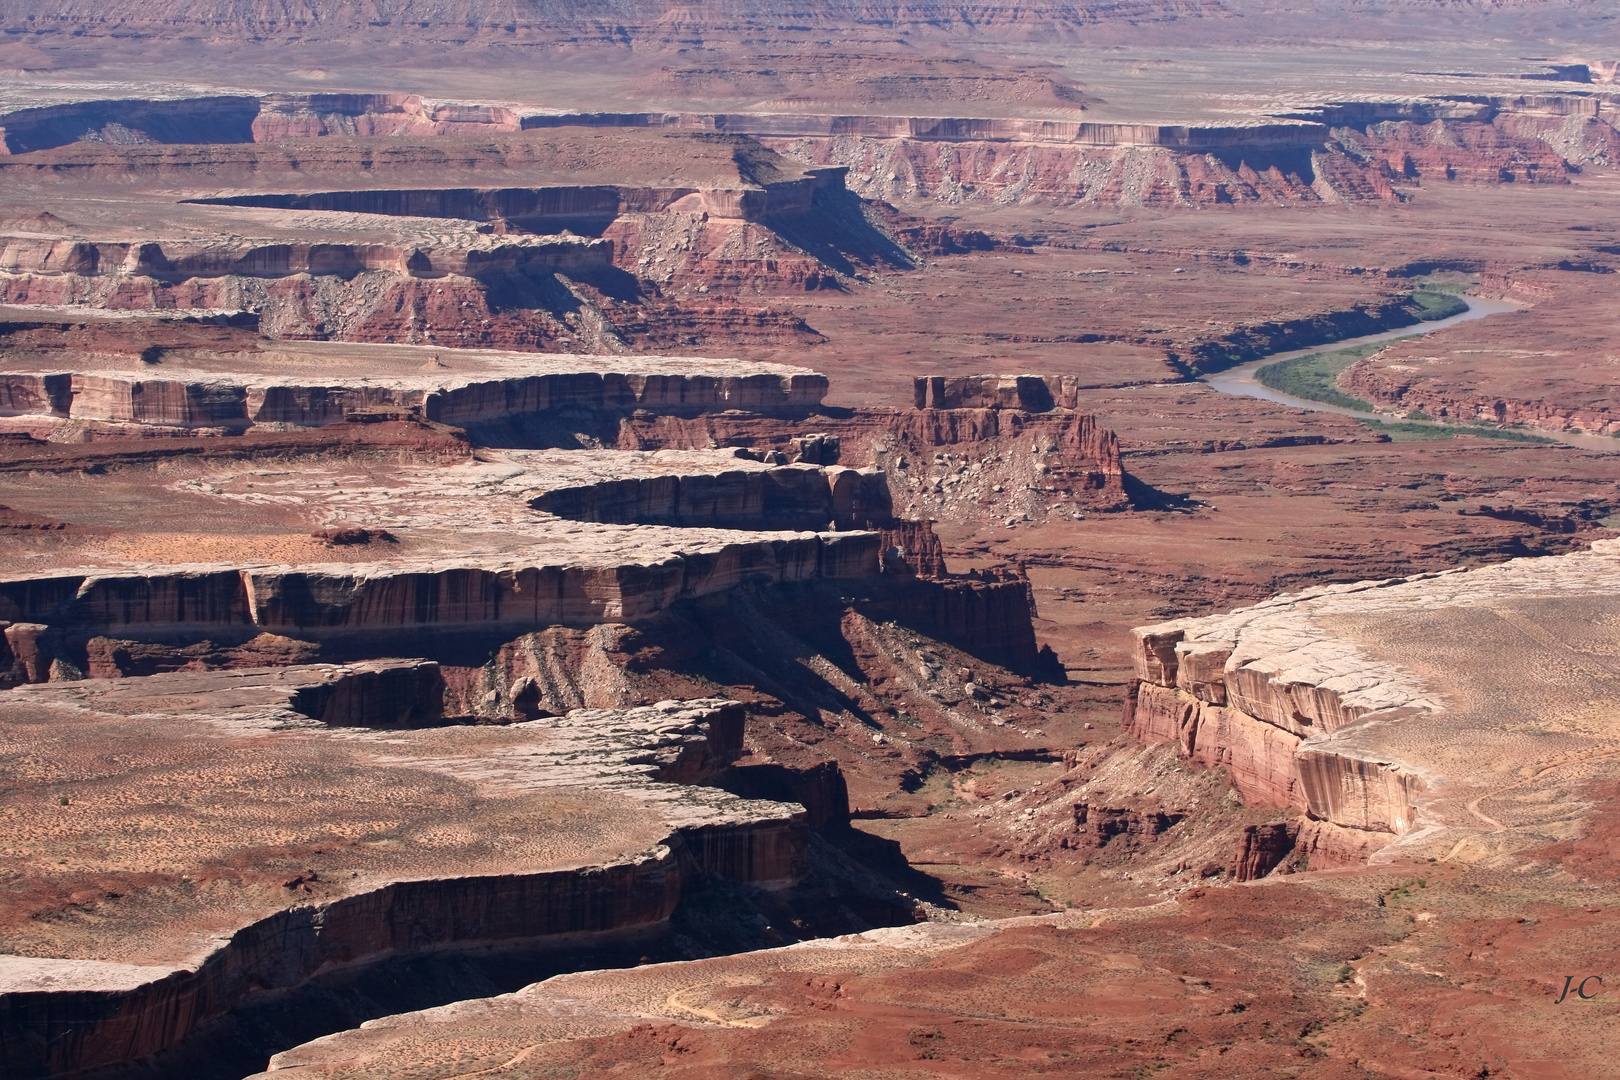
490 388
1383 709
346 848
1373 151
1340 151
468 240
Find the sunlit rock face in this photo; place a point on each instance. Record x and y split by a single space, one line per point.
1392 709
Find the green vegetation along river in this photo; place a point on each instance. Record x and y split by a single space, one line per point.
1305 379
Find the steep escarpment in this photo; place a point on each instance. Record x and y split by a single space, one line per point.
130 122
77 999
1374 709
302 116
545 240
538 209
181 261
84 377
903 170
1361 152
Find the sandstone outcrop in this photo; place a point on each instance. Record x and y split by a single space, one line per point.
784 497
1341 152
1031 393
462 389
493 595
257 894
1379 708
302 116
456 241
182 260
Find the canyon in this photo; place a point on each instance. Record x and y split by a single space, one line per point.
479 611
709 540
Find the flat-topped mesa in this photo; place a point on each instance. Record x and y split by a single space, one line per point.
352 848
539 181
179 260
277 117
799 496
1032 393
475 388
1384 710
505 593
1284 132
547 208
303 116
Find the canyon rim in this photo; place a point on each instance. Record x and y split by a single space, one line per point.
765 540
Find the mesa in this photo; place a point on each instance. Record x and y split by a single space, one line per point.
807 539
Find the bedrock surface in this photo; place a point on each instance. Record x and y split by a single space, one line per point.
316 383
198 839
1453 712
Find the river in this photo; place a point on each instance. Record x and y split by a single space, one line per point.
1240 380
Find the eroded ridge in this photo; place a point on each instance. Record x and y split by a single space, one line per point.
1451 713
510 544
315 385
200 840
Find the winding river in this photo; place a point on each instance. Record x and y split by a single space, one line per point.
1240 380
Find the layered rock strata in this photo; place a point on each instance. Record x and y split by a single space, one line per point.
1032 393
511 544
1348 152
492 594
204 892
957 128
303 116
547 208
990 445
1383 710
784 496
277 117
460 389
182 260
457 241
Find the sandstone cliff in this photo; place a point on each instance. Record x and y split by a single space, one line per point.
62 1012
495 388
1375 708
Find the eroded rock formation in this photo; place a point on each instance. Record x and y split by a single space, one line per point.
488 388
283 897
550 240
1377 708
